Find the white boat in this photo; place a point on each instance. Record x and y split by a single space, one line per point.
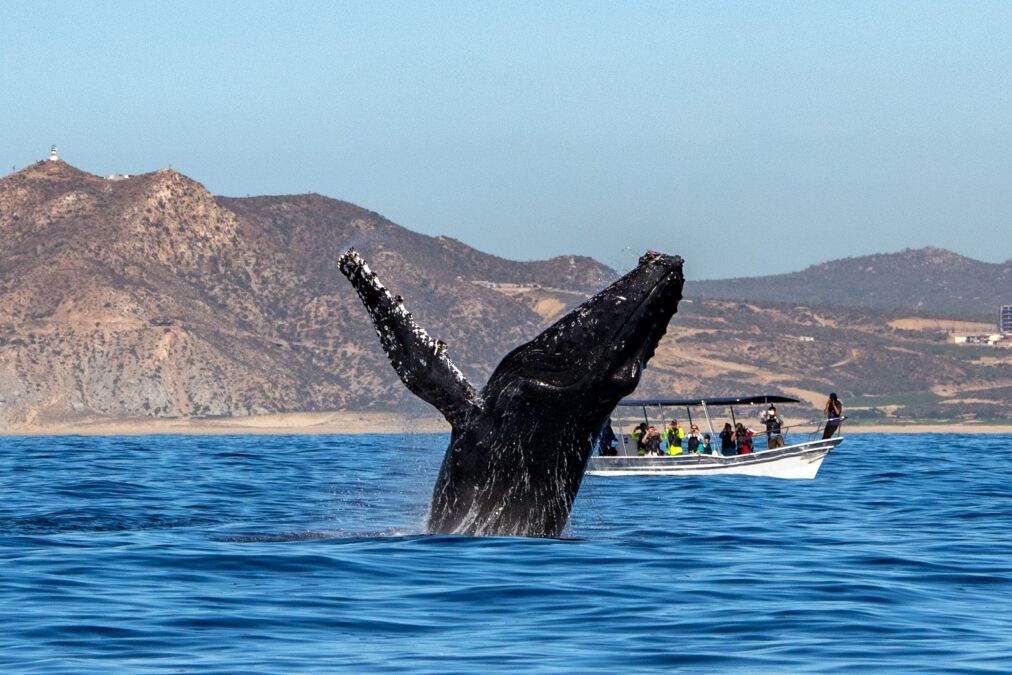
800 457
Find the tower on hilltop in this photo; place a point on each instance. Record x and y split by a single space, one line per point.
53 157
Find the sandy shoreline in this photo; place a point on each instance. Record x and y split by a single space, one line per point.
367 422
337 422
954 428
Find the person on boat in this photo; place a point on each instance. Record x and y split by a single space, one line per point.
744 438
607 442
639 435
728 442
706 448
834 411
774 424
674 434
694 440
652 441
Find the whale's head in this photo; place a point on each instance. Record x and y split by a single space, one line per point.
516 464
594 355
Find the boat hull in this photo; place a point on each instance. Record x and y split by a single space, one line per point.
799 462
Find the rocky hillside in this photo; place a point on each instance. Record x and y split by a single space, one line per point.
929 280
150 297
887 366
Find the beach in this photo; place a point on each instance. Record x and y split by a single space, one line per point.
376 422
333 422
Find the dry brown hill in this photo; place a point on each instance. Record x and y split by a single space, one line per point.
885 365
150 297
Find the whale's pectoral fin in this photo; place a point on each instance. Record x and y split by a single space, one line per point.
420 361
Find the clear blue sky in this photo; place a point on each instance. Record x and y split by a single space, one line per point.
749 138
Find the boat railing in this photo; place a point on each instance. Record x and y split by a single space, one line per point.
814 429
626 445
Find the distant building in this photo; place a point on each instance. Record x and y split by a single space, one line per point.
989 340
1005 319
53 157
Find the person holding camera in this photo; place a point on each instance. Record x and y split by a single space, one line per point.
728 441
834 415
673 434
774 424
695 439
652 440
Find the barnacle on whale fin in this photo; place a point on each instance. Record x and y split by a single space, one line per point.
439 382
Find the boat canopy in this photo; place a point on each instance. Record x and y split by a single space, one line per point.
740 400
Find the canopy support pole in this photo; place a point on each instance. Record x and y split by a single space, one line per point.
706 413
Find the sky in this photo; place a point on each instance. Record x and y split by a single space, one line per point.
750 138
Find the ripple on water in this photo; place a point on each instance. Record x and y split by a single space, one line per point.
225 554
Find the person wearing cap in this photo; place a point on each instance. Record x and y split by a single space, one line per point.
834 411
773 423
674 434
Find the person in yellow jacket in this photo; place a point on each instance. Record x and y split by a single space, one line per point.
638 435
674 434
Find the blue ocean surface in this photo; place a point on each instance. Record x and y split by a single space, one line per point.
289 554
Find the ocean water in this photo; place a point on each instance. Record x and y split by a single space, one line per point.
308 553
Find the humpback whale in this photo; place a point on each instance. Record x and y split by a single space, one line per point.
519 446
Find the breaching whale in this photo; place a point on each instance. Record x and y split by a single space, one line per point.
519 447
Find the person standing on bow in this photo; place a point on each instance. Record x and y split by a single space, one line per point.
834 415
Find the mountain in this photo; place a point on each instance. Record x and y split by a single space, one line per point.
887 365
149 296
928 280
